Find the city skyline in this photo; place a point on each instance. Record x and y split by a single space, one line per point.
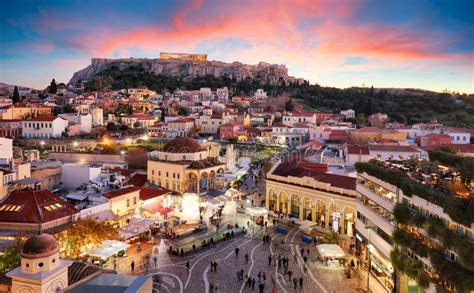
426 44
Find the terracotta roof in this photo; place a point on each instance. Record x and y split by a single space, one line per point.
357 149
317 171
34 206
138 180
80 270
148 193
182 145
183 120
120 192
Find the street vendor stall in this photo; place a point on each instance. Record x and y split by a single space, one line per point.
307 226
131 231
330 253
257 214
109 248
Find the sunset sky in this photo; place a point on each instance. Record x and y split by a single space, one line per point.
412 43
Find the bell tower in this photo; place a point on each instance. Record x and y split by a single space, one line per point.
41 270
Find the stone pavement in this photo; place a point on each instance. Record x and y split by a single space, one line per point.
175 277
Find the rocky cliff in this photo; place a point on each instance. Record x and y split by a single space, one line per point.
271 72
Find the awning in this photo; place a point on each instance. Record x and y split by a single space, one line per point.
330 250
109 248
214 202
142 222
256 211
130 231
156 207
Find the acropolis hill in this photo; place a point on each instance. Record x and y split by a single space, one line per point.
188 65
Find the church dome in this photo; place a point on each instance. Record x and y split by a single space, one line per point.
182 145
39 246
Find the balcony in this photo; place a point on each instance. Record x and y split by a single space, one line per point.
380 200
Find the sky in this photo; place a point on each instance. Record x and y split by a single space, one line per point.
340 43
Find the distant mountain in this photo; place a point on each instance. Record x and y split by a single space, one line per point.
8 88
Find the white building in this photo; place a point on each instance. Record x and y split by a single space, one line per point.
97 116
210 124
181 127
348 113
44 127
6 150
291 118
73 175
291 136
222 94
458 135
83 120
260 95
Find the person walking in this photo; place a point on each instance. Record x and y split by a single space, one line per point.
236 252
264 277
253 284
215 266
132 266
295 283
301 282
269 260
290 273
155 261
212 266
246 258
188 265
261 287
295 258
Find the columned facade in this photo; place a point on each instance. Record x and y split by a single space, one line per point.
326 208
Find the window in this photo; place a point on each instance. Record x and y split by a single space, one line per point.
152 172
128 202
135 200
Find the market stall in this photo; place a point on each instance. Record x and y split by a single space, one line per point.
330 253
307 226
109 248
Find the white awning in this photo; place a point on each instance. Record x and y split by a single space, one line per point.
109 248
77 196
256 211
330 250
130 231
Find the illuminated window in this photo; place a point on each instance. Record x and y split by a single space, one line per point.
10 207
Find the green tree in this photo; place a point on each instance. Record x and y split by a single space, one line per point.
289 106
53 87
331 237
10 258
69 109
16 95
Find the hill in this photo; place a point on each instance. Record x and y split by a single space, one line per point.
403 105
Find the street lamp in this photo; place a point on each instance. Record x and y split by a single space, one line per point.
42 143
122 152
75 144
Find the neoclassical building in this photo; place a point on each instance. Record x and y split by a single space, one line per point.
306 190
184 166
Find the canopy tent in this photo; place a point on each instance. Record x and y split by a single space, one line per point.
130 231
307 226
109 248
156 208
256 211
232 192
214 202
142 222
330 250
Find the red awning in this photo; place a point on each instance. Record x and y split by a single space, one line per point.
156 207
